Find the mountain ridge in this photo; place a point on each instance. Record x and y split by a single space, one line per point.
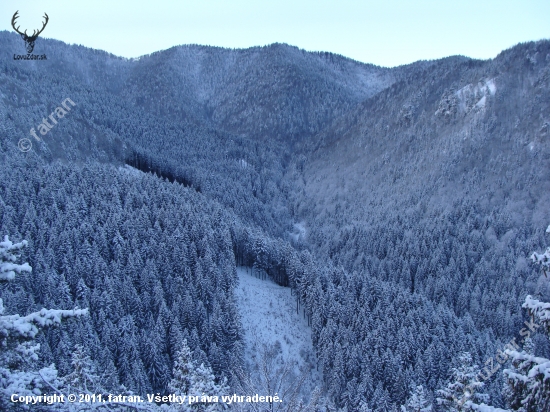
418 192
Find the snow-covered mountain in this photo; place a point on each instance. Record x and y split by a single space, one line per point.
399 205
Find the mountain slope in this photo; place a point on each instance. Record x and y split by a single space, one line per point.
420 190
277 91
439 185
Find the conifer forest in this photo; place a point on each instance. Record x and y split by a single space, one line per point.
270 229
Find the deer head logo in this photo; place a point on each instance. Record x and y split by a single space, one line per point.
29 40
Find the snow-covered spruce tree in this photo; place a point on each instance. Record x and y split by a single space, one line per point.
462 392
417 402
83 378
528 379
192 380
18 351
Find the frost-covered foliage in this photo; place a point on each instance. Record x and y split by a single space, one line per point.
19 366
417 401
152 260
8 257
446 207
464 389
542 259
84 375
528 378
277 91
276 376
190 379
529 382
419 189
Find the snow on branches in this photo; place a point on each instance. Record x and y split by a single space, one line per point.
193 380
8 257
464 389
543 259
539 310
418 401
28 326
18 352
528 378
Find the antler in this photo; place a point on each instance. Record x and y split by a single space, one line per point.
43 26
15 16
34 33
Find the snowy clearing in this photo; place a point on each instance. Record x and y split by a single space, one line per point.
268 314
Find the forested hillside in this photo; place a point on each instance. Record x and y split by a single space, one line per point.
418 192
439 186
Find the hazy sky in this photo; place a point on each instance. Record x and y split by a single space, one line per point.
383 32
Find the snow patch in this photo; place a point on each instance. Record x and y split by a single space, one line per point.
299 233
491 86
268 314
481 102
474 96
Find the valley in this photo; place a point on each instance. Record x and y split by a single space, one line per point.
397 208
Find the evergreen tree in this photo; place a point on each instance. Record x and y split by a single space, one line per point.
528 378
84 376
19 350
417 401
190 379
463 390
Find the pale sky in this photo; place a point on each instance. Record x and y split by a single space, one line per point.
383 32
